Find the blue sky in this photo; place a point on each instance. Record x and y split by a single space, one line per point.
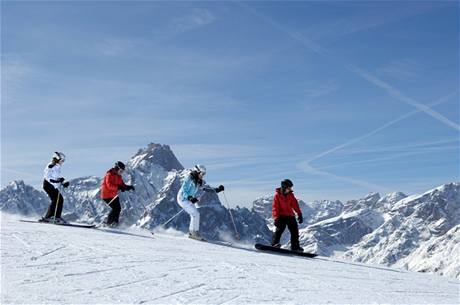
344 98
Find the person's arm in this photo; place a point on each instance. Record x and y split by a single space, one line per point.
275 207
295 206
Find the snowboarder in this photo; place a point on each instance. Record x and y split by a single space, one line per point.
51 183
187 197
110 185
284 205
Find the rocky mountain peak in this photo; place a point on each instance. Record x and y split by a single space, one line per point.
156 154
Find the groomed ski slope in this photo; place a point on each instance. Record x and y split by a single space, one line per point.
62 265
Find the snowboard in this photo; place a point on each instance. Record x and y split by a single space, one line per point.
61 224
267 248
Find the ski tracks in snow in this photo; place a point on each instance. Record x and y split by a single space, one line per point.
91 266
173 293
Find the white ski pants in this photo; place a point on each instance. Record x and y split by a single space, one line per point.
191 209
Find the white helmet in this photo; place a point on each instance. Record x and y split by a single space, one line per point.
59 156
200 168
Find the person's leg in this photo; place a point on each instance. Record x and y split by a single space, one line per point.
280 227
294 230
53 195
115 209
60 206
194 214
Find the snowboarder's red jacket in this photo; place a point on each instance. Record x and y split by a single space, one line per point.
284 205
109 186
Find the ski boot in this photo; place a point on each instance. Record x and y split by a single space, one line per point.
299 249
195 235
60 220
44 219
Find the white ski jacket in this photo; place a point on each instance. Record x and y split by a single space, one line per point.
53 172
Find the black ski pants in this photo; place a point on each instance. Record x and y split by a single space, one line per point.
281 224
56 198
114 214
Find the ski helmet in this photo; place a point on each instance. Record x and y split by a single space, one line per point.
59 156
286 183
120 165
200 168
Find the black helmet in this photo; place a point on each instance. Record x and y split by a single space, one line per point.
286 183
120 165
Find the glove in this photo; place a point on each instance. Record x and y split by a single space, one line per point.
60 180
219 189
130 187
277 222
300 218
193 199
66 184
122 188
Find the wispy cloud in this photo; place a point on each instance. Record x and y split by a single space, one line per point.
411 147
197 18
15 72
22 173
307 168
315 90
395 156
403 70
115 47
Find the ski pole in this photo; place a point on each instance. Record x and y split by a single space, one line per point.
108 204
177 214
231 216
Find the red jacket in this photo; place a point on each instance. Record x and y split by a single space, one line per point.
284 205
109 186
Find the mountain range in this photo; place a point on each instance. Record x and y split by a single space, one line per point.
419 232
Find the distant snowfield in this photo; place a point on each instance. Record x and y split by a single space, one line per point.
62 265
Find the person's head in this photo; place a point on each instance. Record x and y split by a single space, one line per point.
119 167
58 157
200 169
286 186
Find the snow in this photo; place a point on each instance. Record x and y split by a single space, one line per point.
43 263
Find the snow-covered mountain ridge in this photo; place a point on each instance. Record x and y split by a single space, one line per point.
394 230
48 264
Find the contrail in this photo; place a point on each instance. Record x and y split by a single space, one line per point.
306 167
320 50
384 126
400 96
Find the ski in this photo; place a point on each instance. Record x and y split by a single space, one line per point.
122 231
61 224
214 242
267 248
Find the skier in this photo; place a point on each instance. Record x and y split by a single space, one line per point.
187 197
110 185
51 183
284 205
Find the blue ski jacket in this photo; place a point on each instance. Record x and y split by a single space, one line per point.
189 188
